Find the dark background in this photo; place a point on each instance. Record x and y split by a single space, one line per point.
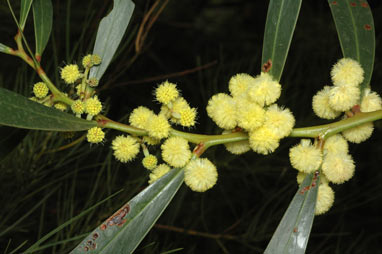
199 45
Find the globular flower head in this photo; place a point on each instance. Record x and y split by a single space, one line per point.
95 135
200 174
70 73
238 147
87 61
264 90
338 168
305 157
279 120
263 140
140 117
151 141
93 106
239 84
158 172
371 101
359 133
336 144
187 117
150 162
166 92
40 90
125 148
92 82
249 114
78 107
347 72
176 152
343 97
321 105
222 110
158 127
96 59
325 199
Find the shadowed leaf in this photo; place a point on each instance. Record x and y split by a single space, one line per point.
24 11
355 29
292 234
110 32
125 229
42 17
20 112
281 21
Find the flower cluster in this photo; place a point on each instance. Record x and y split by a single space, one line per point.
345 94
250 106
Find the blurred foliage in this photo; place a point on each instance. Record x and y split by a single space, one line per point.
199 45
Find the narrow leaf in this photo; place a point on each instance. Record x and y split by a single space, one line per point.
24 11
5 49
9 139
279 27
292 234
124 230
110 32
42 17
18 111
355 29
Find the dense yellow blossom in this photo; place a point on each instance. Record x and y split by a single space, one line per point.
158 172
249 114
347 72
40 90
93 106
343 97
78 107
263 140
325 199
321 105
166 92
264 90
150 162
371 101
279 120
176 151
338 167
200 174
238 147
222 110
239 84
140 117
359 133
125 148
95 135
336 144
70 73
158 126
305 157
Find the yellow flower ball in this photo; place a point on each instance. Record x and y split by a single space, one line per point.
78 107
347 72
279 120
360 133
92 82
140 117
264 90
158 127
125 148
371 101
158 172
338 167
200 175
40 90
239 84
321 105
263 140
238 147
176 152
187 117
151 141
249 114
150 162
325 199
87 61
336 144
70 73
305 157
222 110
179 104
96 59
95 135
93 106
343 98
166 92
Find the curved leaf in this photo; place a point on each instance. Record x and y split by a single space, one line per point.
355 29
292 234
279 27
24 11
5 49
110 32
18 111
42 17
124 230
